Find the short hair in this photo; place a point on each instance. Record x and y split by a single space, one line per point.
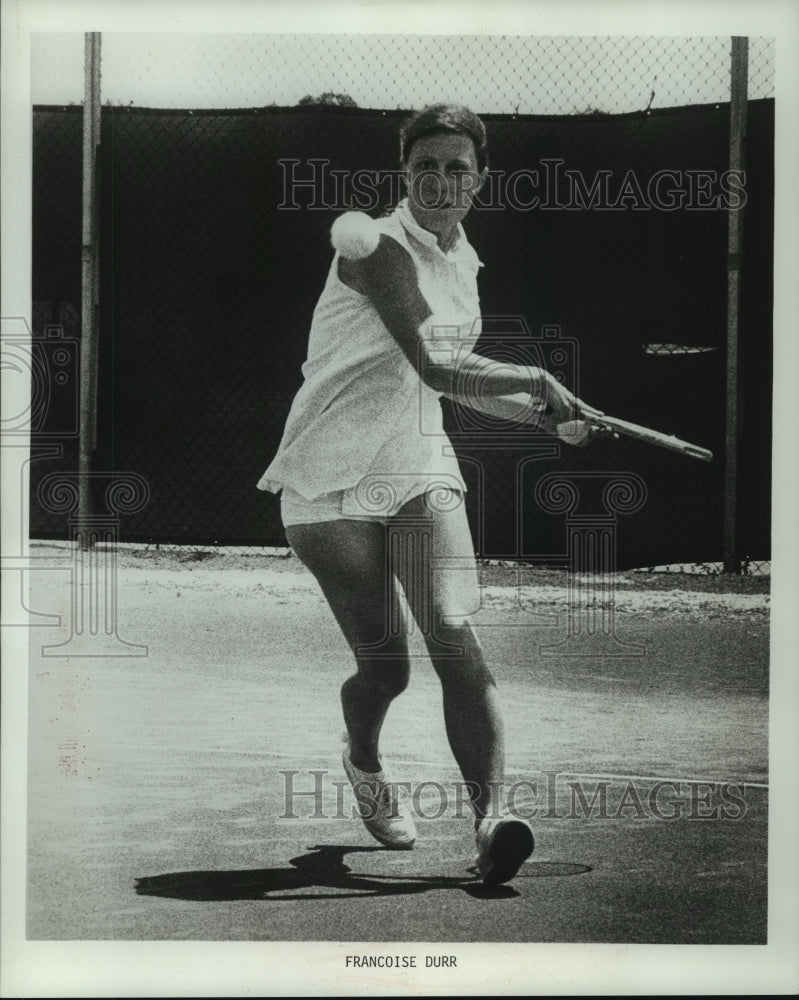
437 119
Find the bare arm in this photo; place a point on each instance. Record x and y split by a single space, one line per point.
388 278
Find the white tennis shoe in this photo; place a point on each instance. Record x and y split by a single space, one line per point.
504 843
380 806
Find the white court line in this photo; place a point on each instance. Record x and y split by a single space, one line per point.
441 766
660 777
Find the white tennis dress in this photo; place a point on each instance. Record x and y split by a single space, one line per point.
364 429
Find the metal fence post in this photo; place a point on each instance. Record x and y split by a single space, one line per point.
738 97
89 280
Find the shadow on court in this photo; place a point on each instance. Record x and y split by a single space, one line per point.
324 867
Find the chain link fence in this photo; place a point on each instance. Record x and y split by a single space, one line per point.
504 74
223 162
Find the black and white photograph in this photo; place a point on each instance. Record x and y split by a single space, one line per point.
399 462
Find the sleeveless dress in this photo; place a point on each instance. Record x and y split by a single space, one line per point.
364 434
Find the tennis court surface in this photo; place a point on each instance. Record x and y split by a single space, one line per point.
166 790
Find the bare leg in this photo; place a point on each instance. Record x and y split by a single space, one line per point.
471 703
348 558
472 715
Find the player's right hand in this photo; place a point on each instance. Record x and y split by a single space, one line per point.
563 406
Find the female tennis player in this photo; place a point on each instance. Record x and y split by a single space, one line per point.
372 496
